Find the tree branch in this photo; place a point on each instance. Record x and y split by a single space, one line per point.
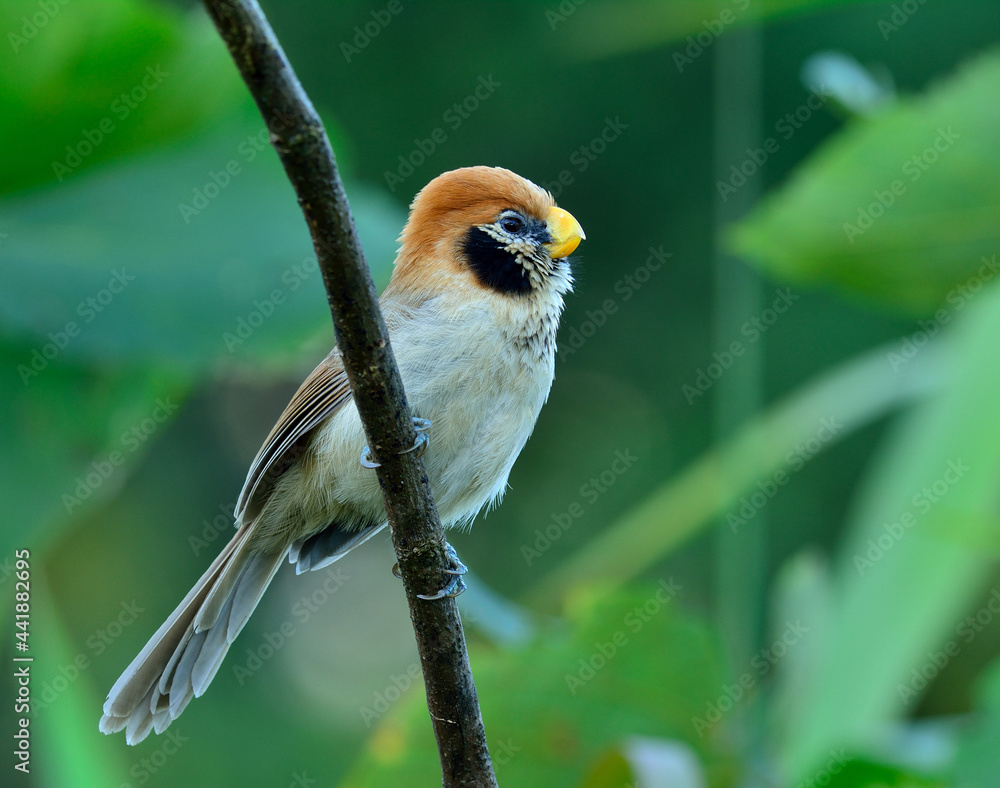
298 135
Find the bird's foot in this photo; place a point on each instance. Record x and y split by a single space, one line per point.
422 440
456 569
456 585
419 445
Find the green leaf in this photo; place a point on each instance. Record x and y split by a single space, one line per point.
647 762
70 437
802 591
611 29
920 546
848 398
96 81
977 762
193 257
63 702
901 209
611 769
868 774
134 278
628 665
110 301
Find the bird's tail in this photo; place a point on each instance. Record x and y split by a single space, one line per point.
184 654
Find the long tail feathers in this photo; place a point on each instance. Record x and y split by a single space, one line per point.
184 654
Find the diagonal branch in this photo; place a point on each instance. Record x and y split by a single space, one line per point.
298 135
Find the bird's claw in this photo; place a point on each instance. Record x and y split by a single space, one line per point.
456 569
419 445
455 587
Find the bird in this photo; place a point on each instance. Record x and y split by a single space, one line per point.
472 310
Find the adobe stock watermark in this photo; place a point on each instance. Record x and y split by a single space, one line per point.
222 523
143 769
633 622
102 468
626 287
301 611
703 39
901 13
453 118
120 108
967 631
217 181
913 169
581 158
556 16
502 752
958 297
32 25
7 568
784 130
761 664
88 310
262 309
364 35
590 492
921 503
97 643
301 780
382 700
753 329
835 765
795 461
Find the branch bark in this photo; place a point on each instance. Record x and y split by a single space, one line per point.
298 136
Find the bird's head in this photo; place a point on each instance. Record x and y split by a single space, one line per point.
486 228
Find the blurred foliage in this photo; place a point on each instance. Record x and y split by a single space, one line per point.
195 295
978 762
921 182
158 304
629 664
63 77
611 28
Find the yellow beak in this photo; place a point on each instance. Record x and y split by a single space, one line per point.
566 233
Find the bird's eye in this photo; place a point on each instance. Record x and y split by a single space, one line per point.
512 223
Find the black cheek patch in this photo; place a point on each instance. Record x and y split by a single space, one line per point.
493 266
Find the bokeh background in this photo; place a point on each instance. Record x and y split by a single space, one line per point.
753 539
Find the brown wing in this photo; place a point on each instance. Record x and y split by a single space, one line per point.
324 392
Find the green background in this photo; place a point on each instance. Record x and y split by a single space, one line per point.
785 312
